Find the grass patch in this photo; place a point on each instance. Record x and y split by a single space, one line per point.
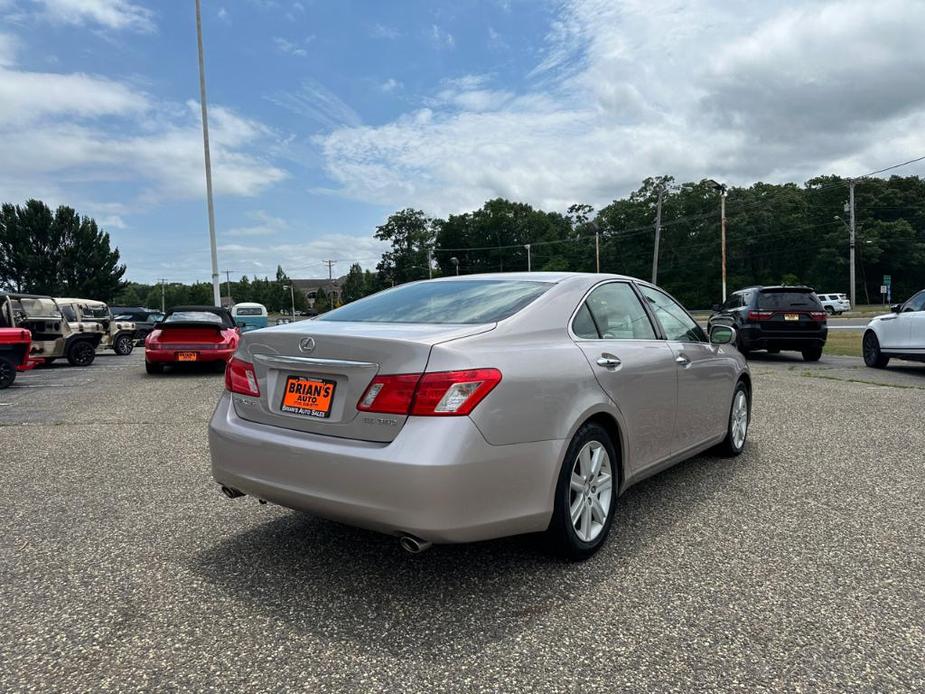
846 343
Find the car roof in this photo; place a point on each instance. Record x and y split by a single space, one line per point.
68 300
213 309
249 304
547 277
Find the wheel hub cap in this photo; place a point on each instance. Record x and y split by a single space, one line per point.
591 491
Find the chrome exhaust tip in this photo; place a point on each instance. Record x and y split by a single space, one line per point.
414 545
231 492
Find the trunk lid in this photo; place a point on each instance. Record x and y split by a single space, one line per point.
190 333
345 355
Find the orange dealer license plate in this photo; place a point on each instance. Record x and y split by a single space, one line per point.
311 397
187 356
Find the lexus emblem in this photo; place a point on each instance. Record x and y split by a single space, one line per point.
307 344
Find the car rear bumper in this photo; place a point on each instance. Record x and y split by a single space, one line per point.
170 355
756 338
438 480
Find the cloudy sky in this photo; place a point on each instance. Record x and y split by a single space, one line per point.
327 115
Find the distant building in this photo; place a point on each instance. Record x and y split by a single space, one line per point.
332 288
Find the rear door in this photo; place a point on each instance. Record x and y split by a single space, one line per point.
705 380
634 368
790 310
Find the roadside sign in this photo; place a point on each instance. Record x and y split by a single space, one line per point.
887 280
883 288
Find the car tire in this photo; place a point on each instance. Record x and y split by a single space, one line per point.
153 368
812 354
585 495
7 372
737 423
870 347
123 345
219 367
80 353
830 310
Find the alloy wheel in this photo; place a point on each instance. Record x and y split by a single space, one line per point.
590 491
7 373
739 419
870 348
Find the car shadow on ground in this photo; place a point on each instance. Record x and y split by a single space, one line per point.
338 582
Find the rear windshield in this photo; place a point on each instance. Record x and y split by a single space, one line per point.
194 317
249 311
800 300
446 301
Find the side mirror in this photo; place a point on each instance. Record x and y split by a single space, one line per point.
722 335
717 307
896 308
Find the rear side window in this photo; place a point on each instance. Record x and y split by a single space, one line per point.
916 303
444 301
194 317
806 301
613 312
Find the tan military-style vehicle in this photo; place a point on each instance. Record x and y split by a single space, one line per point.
53 337
119 336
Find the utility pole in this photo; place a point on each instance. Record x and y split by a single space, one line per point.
722 213
851 182
330 264
527 246
597 249
228 284
430 264
216 289
658 233
163 284
291 298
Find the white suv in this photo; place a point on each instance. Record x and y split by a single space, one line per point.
899 334
835 304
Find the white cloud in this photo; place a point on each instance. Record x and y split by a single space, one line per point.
288 47
383 31
64 131
264 224
304 259
223 15
627 90
9 46
441 37
318 104
112 14
390 85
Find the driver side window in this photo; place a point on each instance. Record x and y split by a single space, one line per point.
677 324
613 312
916 303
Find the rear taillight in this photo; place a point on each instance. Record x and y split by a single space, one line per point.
760 315
818 315
439 394
241 378
389 394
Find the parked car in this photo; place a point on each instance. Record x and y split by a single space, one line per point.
249 316
53 337
15 345
118 335
775 319
900 334
835 304
191 334
144 318
432 411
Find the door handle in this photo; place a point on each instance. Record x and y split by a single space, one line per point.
682 360
608 361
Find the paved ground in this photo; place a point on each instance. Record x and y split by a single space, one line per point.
798 566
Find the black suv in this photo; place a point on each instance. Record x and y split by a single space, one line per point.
775 318
144 318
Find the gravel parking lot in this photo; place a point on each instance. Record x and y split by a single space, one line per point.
799 565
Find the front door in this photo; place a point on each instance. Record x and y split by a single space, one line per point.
705 380
634 368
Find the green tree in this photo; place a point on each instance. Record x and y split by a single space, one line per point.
355 284
411 234
322 302
60 253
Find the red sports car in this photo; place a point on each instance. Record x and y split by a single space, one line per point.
15 344
191 334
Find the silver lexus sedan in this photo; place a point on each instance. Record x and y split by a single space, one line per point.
468 408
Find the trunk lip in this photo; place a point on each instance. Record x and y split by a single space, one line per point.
283 360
